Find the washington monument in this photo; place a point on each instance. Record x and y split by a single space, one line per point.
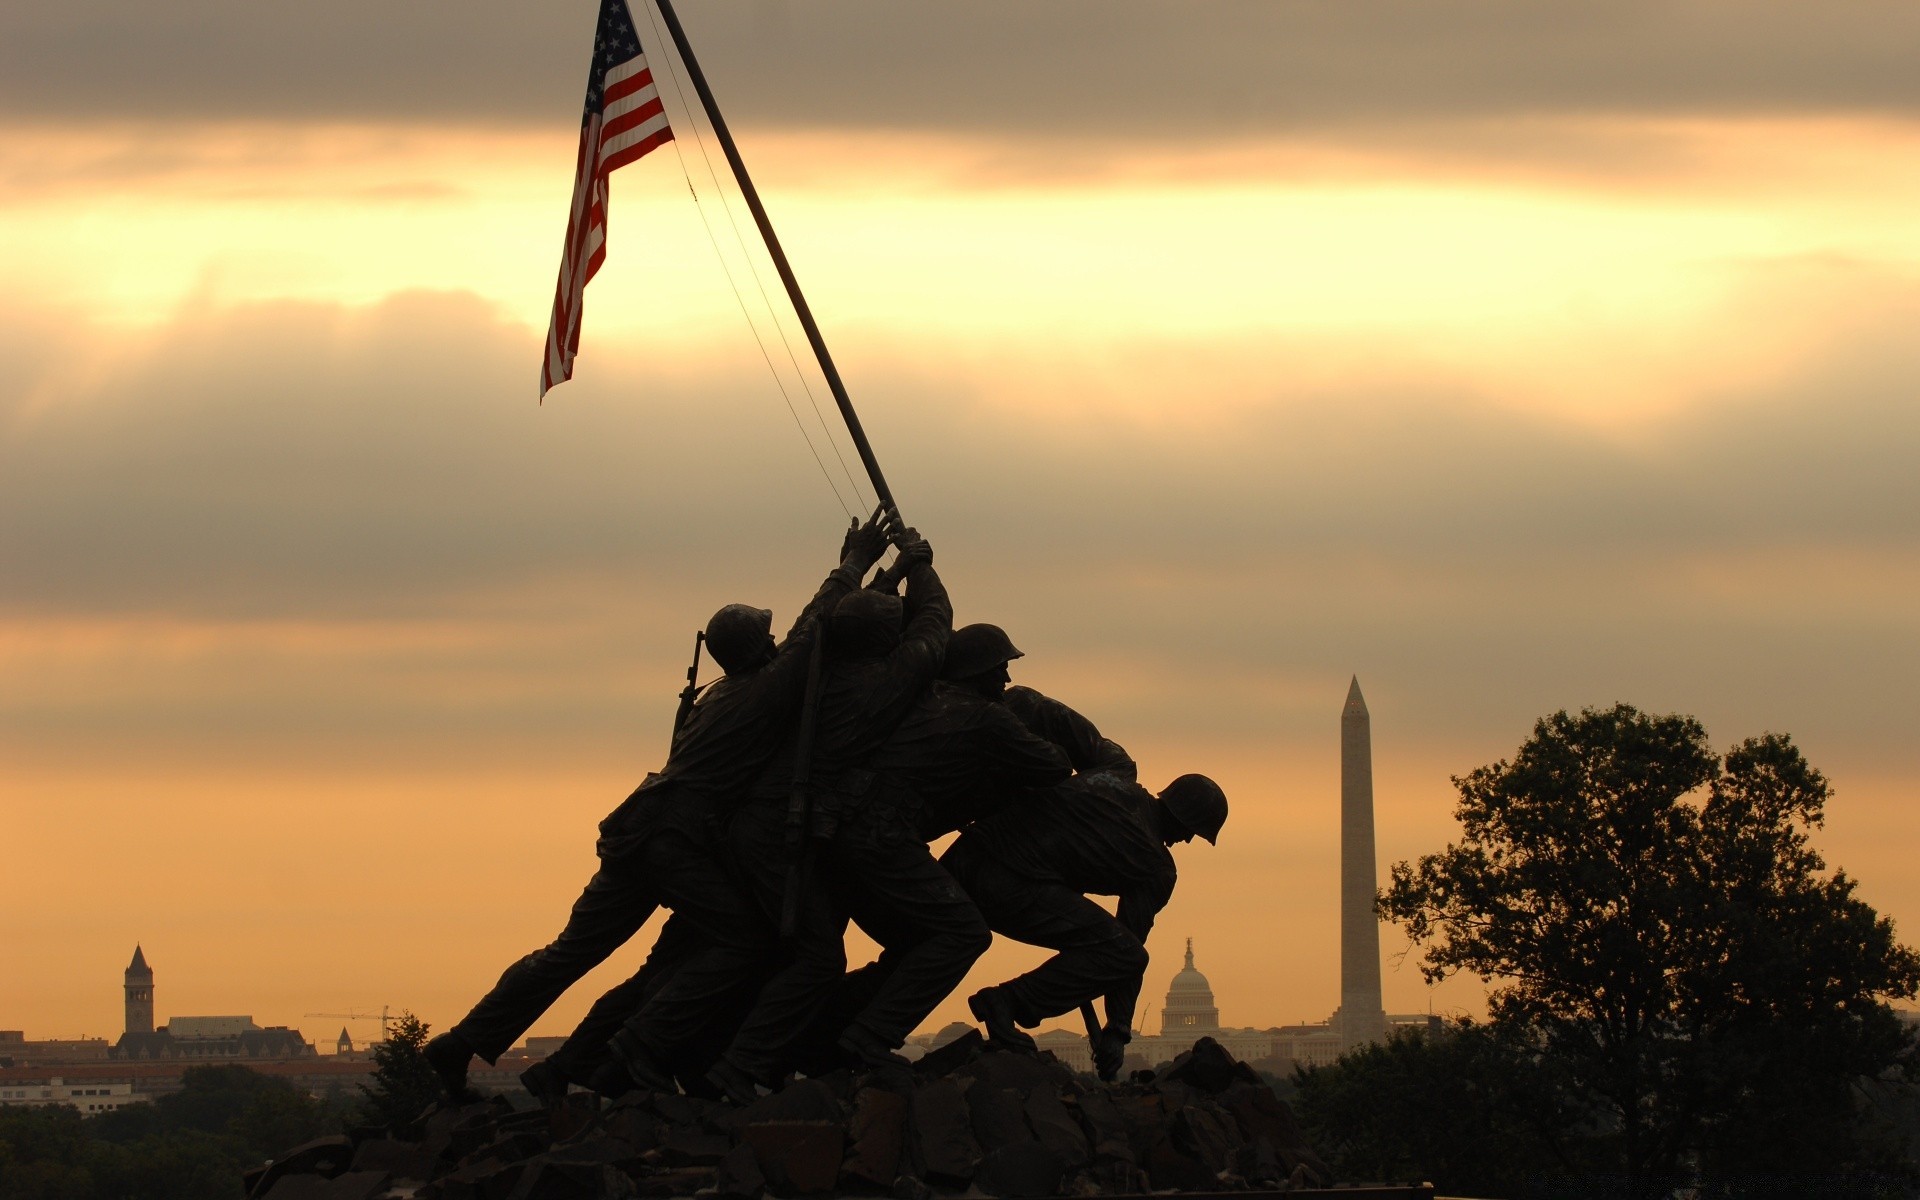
1362 1017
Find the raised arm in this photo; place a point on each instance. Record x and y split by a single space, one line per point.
862 547
1088 751
929 616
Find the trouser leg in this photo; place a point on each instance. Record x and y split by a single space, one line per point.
1096 955
937 931
611 909
586 1047
814 957
731 944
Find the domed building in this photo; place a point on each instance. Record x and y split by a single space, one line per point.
1189 1011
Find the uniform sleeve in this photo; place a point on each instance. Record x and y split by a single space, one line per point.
840 581
1137 909
1086 749
785 678
923 643
1014 756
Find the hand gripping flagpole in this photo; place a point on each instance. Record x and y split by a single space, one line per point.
779 256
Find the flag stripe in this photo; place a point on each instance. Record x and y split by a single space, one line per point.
620 151
623 120
648 117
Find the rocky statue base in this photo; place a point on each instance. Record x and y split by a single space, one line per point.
964 1120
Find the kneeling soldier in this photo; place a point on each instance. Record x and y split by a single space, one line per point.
1030 870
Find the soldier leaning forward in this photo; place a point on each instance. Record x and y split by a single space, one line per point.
1031 868
881 656
657 850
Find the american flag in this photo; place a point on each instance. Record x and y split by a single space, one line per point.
623 120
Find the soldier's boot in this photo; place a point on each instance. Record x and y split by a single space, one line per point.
991 1008
630 1063
545 1083
734 1085
449 1054
867 1050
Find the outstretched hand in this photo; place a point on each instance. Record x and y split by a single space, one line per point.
864 544
913 548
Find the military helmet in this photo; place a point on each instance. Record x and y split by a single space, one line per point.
865 624
738 636
976 649
1198 803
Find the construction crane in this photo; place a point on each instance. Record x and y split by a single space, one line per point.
384 1016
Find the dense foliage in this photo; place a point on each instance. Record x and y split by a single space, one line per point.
1468 1109
1678 980
404 1084
191 1145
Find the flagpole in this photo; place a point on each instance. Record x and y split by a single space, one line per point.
780 264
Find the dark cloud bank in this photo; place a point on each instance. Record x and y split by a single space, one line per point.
1752 558
1122 69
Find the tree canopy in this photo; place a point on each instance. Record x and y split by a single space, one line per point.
1659 928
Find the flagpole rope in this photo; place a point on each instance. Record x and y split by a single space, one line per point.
739 299
766 357
779 326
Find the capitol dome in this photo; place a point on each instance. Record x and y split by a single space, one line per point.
1189 1009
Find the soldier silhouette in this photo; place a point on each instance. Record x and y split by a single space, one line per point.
657 849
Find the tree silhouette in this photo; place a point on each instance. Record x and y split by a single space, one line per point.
1660 928
404 1084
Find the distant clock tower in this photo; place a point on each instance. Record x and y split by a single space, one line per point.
139 994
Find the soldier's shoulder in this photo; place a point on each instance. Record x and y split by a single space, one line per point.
941 694
1111 788
1019 696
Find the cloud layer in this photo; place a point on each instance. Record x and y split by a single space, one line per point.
316 466
1120 69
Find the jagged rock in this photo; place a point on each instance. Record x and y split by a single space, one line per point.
999 1117
675 1109
1261 1114
1113 1177
633 1127
512 1147
984 1121
876 1141
546 1179
402 1160
1021 1072
1055 1126
739 1176
952 1056
1024 1169
1146 1120
1209 1067
324 1157
691 1146
1170 1169
941 1135
1258 1163
807 1100
797 1157
685 1181
573 1116
1205 1133
350 1185
1107 1128
908 1188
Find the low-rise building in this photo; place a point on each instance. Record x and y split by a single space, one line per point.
90 1096
16 1050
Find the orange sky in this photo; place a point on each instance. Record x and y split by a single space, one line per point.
322 648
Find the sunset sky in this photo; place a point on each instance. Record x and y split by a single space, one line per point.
1513 357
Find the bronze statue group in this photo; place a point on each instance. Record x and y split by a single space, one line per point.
802 791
